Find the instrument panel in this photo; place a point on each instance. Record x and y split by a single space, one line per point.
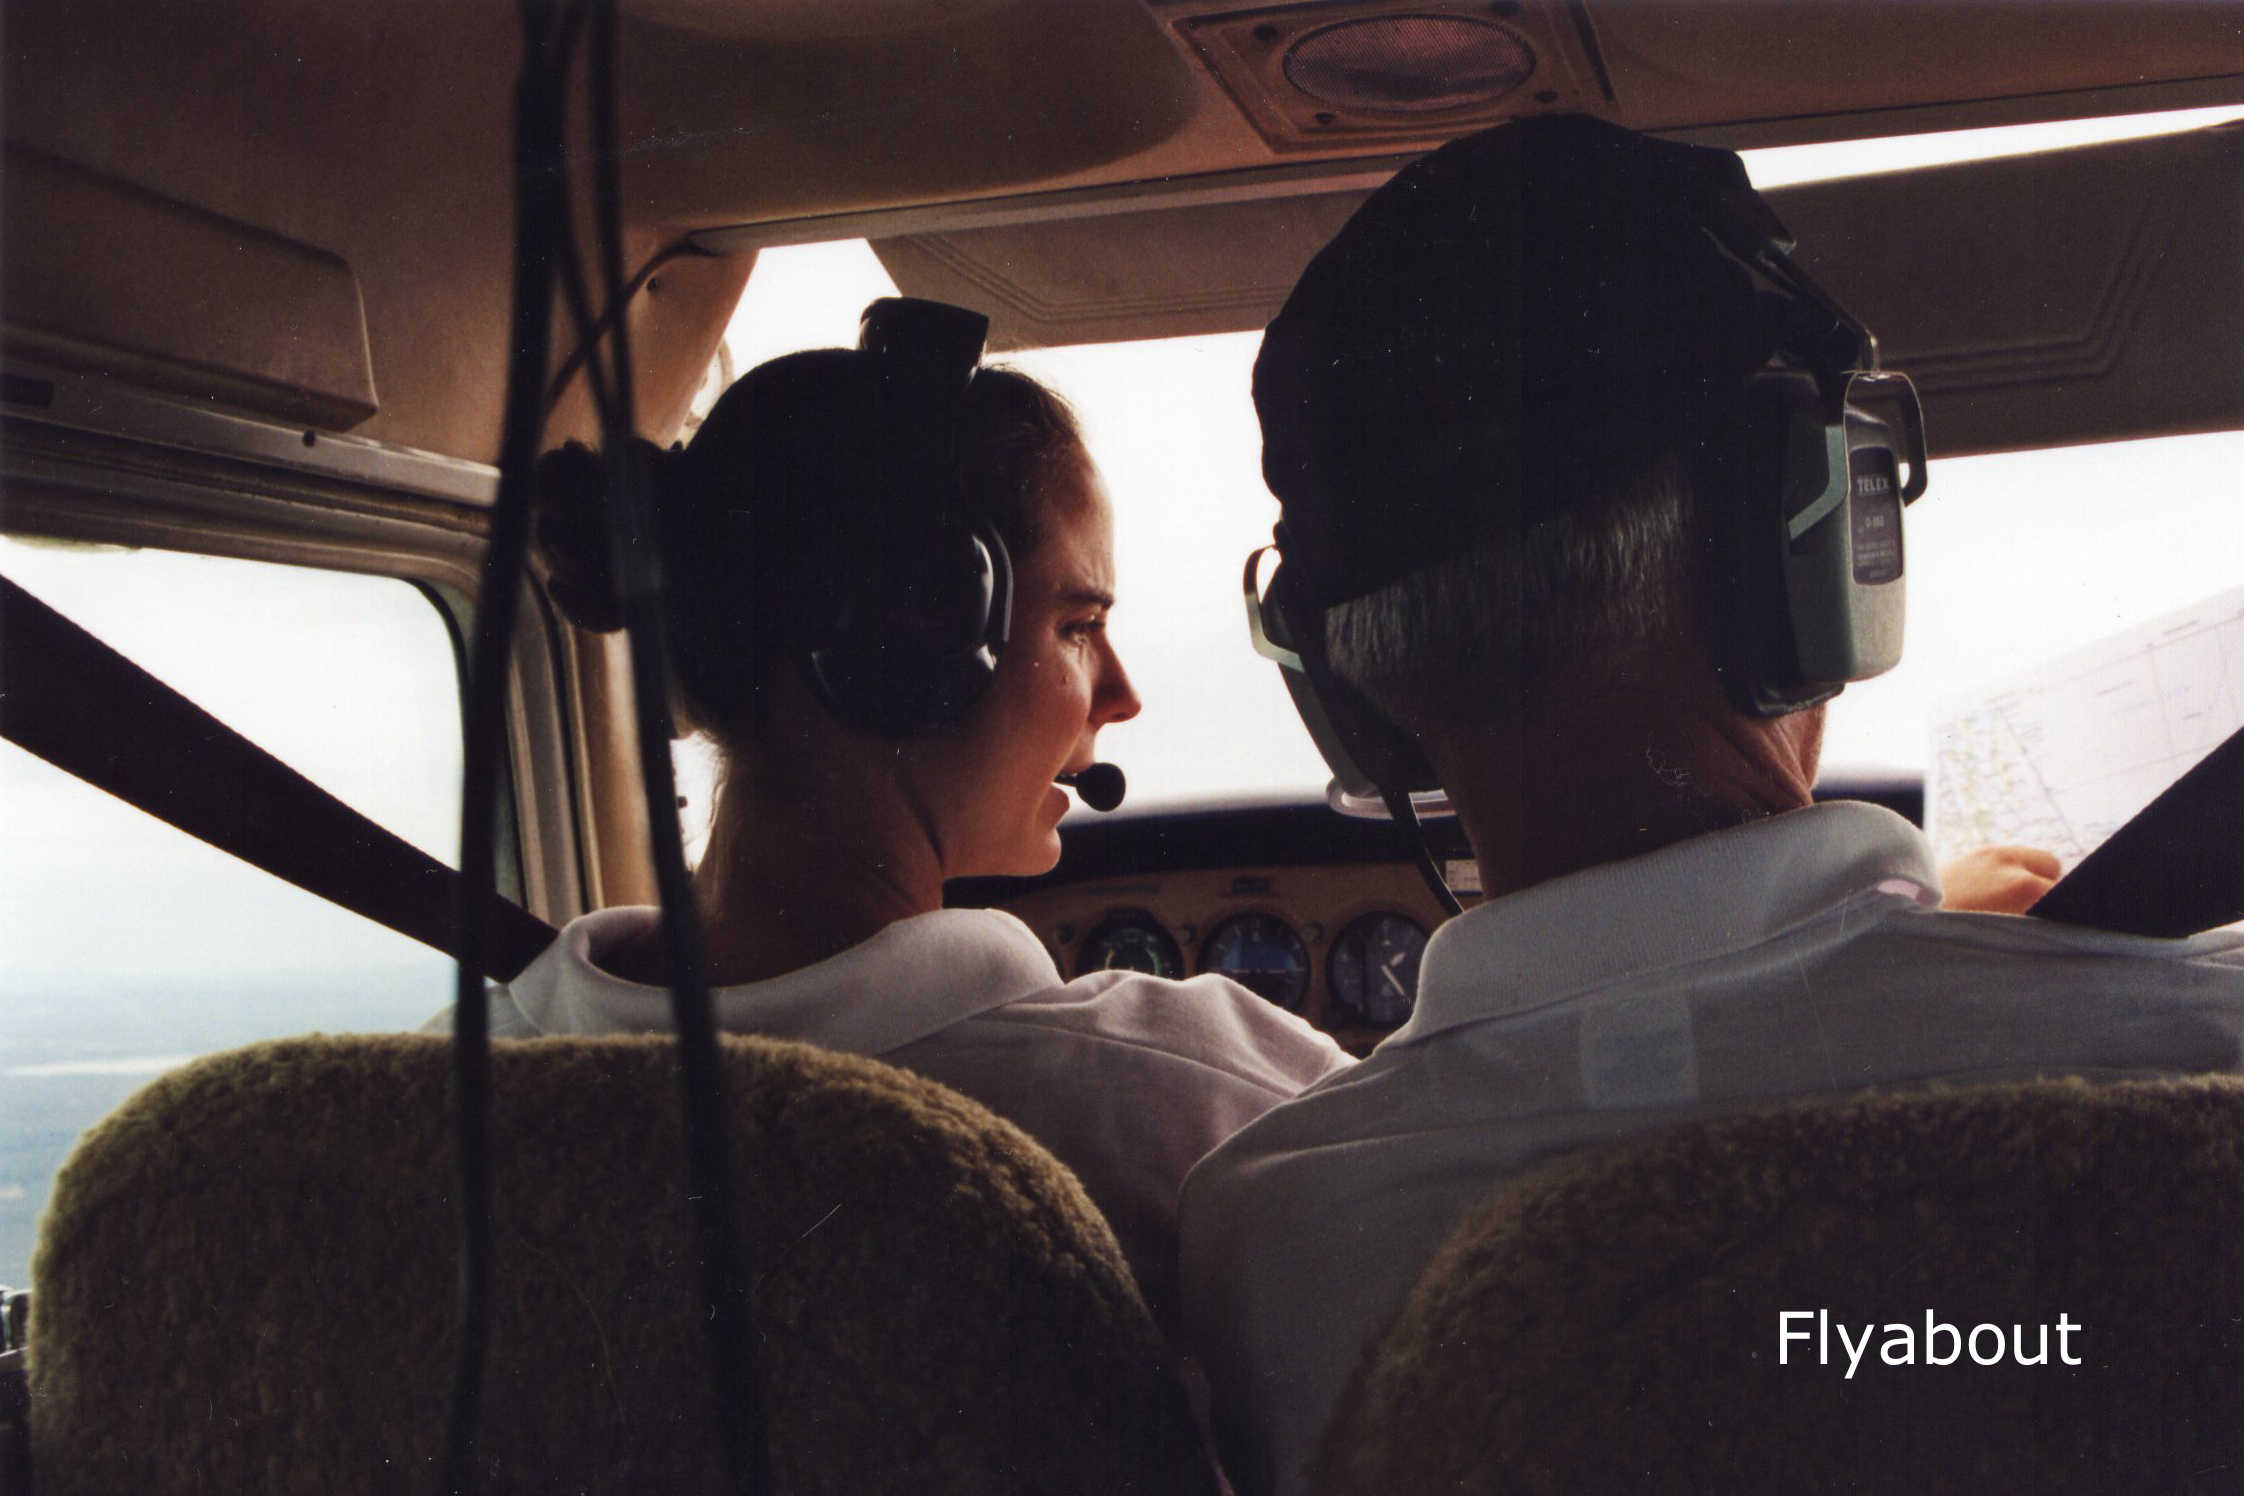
1323 914
1338 945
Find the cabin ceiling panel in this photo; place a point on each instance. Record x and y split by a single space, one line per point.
811 20
373 141
963 127
2082 295
1769 59
375 133
725 127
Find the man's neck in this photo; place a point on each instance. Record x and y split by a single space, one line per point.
1603 780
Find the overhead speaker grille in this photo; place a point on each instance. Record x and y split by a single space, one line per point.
1397 74
1409 64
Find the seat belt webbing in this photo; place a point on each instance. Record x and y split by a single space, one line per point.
86 709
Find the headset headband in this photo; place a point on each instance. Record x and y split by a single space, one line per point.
930 346
900 630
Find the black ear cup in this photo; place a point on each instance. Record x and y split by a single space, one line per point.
1767 461
912 640
1803 497
899 614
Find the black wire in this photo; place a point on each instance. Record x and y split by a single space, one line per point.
538 185
637 572
591 334
1405 815
546 258
1309 646
567 31
579 303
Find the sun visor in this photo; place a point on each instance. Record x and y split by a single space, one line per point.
1223 268
109 277
743 111
2091 294
2083 295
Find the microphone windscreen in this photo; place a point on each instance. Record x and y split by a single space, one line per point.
1101 786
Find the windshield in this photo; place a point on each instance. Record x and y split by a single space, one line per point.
2013 558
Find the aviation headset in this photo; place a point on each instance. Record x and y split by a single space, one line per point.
1806 452
898 624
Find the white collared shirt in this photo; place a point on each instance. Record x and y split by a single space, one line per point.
1802 954
1127 1079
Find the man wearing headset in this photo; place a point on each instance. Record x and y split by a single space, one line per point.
1590 498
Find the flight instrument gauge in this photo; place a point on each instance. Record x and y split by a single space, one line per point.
1262 953
1374 970
1130 940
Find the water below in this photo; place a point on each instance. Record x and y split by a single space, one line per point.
71 1050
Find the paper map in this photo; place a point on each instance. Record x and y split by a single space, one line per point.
2061 755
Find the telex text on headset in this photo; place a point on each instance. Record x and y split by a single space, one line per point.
1654 308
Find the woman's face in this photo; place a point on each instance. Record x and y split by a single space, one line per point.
1058 682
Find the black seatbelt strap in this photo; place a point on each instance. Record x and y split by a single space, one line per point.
89 711
2177 868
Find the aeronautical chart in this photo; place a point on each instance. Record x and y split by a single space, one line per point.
2059 756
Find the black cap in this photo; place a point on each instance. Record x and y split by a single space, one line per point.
1505 323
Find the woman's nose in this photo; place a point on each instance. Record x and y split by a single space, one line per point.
1116 699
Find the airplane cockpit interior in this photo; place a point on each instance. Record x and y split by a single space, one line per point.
309 752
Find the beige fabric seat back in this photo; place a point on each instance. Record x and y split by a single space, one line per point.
245 1282
1611 1323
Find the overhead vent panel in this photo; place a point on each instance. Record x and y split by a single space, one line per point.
1409 64
1314 76
1389 74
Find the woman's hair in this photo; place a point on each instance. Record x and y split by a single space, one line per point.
777 471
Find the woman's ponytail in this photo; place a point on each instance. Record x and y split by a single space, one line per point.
572 529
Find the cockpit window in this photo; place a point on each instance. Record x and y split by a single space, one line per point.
2020 557
2012 558
126 946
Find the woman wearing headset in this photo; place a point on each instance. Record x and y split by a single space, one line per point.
836 542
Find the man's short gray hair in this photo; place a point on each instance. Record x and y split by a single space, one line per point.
1477 640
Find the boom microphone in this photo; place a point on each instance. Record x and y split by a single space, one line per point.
1100 786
